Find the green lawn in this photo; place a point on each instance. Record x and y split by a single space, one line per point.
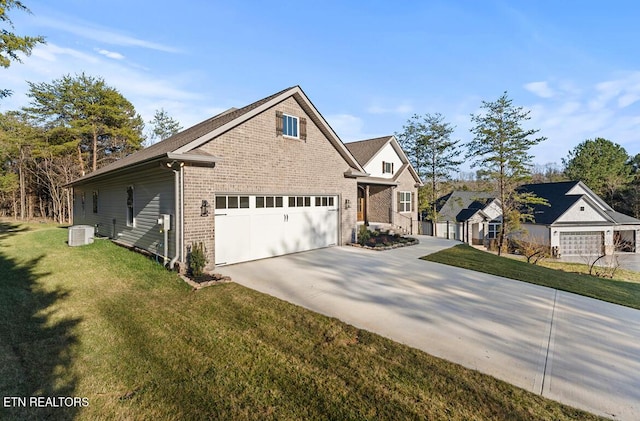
612 290
110 325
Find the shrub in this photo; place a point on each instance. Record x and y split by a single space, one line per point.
197 259
363 235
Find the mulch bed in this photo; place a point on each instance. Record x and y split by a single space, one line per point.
205 280
387 242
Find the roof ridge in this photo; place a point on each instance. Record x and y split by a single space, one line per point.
368 140
181 139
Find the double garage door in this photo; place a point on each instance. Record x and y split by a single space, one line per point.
255 227
581 243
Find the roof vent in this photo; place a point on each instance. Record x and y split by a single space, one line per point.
80 235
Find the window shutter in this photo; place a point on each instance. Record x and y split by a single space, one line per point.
303 128
398 209
383 167
278 123
392 168
413 200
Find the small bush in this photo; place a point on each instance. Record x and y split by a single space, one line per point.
363 235
197 259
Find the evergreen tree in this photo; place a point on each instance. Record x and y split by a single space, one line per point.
163 125
427 142
600 164
500 148
10 43
101 123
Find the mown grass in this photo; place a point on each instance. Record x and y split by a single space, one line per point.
107 324
612 290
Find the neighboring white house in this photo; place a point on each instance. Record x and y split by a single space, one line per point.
578 222
575 222
468 216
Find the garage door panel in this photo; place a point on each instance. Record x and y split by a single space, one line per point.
233 228
260 232
579 243
267 231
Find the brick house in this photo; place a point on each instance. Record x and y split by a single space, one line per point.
388 195
267 179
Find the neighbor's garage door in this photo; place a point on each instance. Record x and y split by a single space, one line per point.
255 227
581 243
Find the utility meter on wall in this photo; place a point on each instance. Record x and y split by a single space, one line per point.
165 222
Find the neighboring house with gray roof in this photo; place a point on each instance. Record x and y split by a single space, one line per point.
469 216
578 222
575 222
388 195
267 179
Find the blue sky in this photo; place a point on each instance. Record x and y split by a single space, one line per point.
367 66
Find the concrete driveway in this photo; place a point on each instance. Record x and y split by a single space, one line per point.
569 348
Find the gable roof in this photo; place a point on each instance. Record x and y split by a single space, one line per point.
560 201
451 206
181 144
468 213
365 150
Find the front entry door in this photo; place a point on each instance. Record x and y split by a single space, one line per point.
361 204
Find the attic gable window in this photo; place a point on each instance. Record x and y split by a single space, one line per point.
291 126
387 167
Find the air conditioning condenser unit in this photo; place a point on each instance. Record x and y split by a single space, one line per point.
80 235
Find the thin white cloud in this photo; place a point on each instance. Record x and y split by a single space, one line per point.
540 89
111 54
403 108
347 126
51 52
101 34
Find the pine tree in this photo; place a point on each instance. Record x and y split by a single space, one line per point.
500 148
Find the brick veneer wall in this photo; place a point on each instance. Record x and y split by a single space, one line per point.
406 182
255 160
380 201
197 228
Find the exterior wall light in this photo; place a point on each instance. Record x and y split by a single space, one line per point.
204 208
347 203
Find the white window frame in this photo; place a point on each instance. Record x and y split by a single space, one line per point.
387 167
405 203
286 126
492 234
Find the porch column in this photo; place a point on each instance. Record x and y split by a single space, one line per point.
366 204
609 246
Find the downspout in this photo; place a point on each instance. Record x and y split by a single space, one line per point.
177 218
182 214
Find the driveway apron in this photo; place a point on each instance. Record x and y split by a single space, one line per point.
573 349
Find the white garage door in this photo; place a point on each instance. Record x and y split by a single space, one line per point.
581 243
255 227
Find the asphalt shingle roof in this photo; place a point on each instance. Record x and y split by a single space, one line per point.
556 196
180 139
364 150
451 205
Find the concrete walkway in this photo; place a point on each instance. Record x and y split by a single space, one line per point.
569 348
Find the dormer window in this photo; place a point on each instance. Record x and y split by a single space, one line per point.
387 167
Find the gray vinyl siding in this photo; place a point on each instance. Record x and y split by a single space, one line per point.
153 194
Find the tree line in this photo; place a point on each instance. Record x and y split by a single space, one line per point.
71 127
500 151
